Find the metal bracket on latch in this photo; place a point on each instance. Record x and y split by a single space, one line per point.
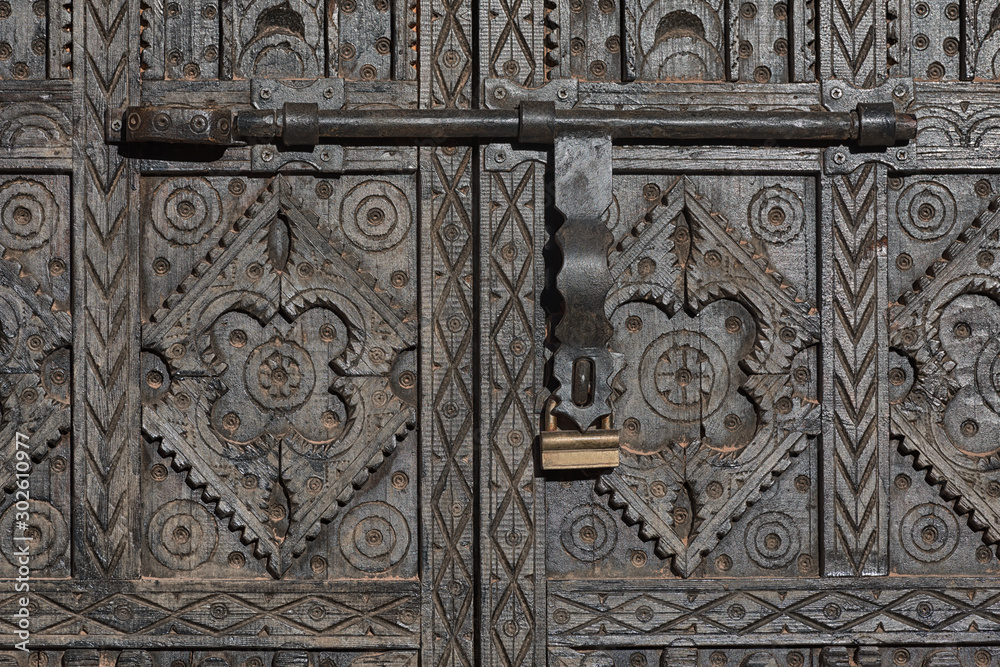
290 107
296 104
882 120
504 94
583 363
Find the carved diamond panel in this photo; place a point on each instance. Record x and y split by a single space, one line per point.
279 374
718 393
943 381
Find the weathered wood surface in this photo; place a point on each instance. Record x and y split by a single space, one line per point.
283 406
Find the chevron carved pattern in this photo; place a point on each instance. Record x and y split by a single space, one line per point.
106 458
857 42
854 331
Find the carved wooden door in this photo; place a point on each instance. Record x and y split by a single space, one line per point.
281 405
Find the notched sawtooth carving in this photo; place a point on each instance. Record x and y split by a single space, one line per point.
35 363
35 330
945 373
276 361
719 387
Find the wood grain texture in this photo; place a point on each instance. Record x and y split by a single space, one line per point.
447 54
105 462
855 342
602 613
853 40
856 48
513 40
449 317
511 270
284 413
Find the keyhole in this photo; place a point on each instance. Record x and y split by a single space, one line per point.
583 381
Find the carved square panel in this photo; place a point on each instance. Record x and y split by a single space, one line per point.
24 45
715 317
943 382
279 373
751 41
35 372
269 39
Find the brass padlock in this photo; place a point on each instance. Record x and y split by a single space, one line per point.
576 450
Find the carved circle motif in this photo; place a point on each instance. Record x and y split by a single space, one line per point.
688 381
375 215
182 535
27 212
776 214
773 540
47 531
374 536
185 209
968 329
926 210
280 375
929 532
684 376
589 532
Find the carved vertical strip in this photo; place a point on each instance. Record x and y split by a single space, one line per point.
897 37
404 42
936 31
106 424
594 40
513 619
758 45
853 35
448 492
446 54
60 39
24 36
802 50
855 341
227 39
513 44
151 52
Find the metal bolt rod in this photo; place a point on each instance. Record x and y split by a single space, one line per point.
356 124
513 125
304 124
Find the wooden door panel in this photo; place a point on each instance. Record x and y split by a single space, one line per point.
36 365
288 366
282 405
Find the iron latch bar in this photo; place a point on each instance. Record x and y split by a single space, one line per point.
305 123
583 365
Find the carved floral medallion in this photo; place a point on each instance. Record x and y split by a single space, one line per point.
944 373
718 389
277 377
